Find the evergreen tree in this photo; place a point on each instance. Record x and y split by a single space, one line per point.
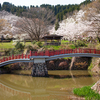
56 25
0 6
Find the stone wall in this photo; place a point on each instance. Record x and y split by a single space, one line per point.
80 63
95 65
96 87
59 64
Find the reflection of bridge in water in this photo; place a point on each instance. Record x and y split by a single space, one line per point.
39 93
14 91
39 59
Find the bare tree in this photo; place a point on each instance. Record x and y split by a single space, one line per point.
36 22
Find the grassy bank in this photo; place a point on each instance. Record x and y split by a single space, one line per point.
11 45
87 93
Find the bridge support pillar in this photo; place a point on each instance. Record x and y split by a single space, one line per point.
39 68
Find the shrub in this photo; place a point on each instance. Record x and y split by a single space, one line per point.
80 43
87 92
19 46
34 42
39 44
9 52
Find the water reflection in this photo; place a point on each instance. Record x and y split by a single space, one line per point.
59 85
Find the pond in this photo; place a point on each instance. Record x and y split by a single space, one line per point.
19 85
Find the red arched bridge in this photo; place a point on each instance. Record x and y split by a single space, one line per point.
39 58
49 55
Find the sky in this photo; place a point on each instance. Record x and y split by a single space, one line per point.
39 2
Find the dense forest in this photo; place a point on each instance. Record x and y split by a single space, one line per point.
59 10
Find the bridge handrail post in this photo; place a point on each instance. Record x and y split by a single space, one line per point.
79 50
12 56
3 59
47 53
94 51
69 51
84 50
36 53
25 56
89 50
9 58
30 53
28 56
73 50
18 56
55 52
63 51
66 51
76 50
22 56
15 57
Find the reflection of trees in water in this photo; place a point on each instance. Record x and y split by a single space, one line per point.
72 76
86 78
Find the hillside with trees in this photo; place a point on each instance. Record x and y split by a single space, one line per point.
60 11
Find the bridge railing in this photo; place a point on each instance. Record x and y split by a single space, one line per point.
21 56
50 53
64 51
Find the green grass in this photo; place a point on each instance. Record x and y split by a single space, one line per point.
68 58
6 45
54 47
64 41
87 92
10 45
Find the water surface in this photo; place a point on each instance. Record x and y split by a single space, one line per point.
58 86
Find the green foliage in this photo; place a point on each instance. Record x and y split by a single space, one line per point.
34 42
90 65
72 46
19 46
80 43
87 92
39 44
